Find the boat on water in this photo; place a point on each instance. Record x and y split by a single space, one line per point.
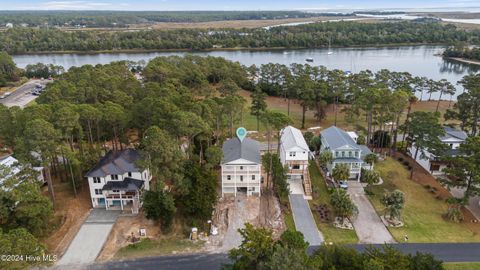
329 47
309 59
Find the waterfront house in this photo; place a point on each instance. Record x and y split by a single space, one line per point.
344 150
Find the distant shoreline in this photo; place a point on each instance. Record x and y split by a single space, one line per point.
464 60
223 49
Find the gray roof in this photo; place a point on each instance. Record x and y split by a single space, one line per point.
292 137
365 150
336 137
116 162
127 184
452 133
248 149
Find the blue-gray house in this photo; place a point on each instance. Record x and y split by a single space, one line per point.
344 151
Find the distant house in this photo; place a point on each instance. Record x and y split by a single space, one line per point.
9 25
117 182
344 151
241 167
453 138
294 153
12 164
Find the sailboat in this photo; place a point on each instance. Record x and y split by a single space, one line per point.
329 47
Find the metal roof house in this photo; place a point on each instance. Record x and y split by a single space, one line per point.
241 166
295 153
117 182
344 151
453 138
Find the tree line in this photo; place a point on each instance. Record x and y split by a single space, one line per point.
315 35
259 250
463 52
124 18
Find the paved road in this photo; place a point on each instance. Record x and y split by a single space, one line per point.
369 227
90 239
303 218
22 96
448 252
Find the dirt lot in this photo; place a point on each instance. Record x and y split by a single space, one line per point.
232 213
120 235
70 213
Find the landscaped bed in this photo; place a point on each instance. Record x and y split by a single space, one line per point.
423 212
322 197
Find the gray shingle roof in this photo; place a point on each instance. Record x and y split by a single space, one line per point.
116 162
234 149
452 133
292 137
336 137
126 184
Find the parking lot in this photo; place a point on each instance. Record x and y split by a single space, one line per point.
23 95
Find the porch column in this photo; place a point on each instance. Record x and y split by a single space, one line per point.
121 201
235 180
247 180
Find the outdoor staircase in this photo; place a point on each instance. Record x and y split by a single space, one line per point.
307 185
136 204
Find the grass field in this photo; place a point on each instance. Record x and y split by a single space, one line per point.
148 247
279 104
422 214
321 196
462 266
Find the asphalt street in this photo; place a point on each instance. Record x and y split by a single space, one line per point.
447 252
22 95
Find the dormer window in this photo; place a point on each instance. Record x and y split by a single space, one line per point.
129 174
293 154
114 176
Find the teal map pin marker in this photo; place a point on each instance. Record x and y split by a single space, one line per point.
241 133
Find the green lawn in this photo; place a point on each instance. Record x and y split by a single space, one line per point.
462 266
148 247
321 196
423 212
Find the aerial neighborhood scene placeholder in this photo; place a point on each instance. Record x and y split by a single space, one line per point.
200 135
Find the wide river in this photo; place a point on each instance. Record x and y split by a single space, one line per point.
418 60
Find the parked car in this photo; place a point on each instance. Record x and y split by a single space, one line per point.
4 95
343 184
36 93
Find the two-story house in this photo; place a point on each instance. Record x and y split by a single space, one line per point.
344 151
295 153
241 167
117 182
453 138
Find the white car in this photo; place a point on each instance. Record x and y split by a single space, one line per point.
343 184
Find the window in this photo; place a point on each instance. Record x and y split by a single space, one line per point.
114 176
356 154
129 174
98 191
241 178
343 153
434 167
241 167
292 154
451 145
296 167
350 154
337 154
253 177
96 180
116 190
229 177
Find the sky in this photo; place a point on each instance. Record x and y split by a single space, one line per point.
231 5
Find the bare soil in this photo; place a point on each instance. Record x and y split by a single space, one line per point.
70 212
122 231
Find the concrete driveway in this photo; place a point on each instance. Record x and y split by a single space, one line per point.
303 218
90 239
369 227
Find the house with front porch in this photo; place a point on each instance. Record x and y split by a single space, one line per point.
241 167
344 150
116 182
294 154
452 139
